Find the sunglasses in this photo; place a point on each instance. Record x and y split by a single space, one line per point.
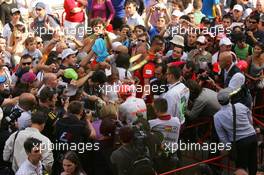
201 44
38 9
116 52
141 40
41 42
26 63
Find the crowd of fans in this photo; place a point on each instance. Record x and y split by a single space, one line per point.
118 82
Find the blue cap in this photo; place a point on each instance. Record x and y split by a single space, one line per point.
2 79
40 5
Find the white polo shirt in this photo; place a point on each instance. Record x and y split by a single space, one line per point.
134 20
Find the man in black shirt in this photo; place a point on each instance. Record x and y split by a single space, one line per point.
74 129
47 99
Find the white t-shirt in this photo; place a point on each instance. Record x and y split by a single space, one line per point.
170 128
129 109
177 98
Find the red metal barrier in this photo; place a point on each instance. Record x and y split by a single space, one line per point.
194 164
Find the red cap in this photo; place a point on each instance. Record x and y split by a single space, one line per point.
242 65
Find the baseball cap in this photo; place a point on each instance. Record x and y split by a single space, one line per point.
66 52
178 40
225 41
223 95
2 79
14 10
201 39
40 5
70 73
177 13
238 7
28 77
237 81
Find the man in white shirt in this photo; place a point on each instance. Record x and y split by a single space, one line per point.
32 165
177 95
131 106
17 147
132 16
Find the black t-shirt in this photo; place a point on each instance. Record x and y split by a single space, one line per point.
71 130
51 118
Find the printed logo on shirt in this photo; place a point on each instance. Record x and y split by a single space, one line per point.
148 72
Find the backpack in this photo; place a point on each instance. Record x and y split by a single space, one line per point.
142 163
55 19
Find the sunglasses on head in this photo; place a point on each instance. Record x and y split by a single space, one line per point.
116 52
26 63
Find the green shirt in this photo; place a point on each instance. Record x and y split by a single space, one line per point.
243 53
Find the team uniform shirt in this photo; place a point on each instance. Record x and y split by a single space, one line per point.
177 98
169 127
129 109
147 72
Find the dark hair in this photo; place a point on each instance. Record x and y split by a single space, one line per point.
30 143
228 16
261 45
195 89
99 77
38 117
157 39
125 26
108 127
131 2
97 21
26 56
240 37
161 105
191 64
122 60
255 16
75 107
72 157
186 17
46 94
140 27
126 134
164 67
175 71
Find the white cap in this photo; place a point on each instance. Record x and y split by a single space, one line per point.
225 41
237 81
115 45
201 39
67 52
177 13
14 10
238 7
178 40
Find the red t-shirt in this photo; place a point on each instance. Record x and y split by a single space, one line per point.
69 5
147 72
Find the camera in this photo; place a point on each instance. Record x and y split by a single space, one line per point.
203 77
14 115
